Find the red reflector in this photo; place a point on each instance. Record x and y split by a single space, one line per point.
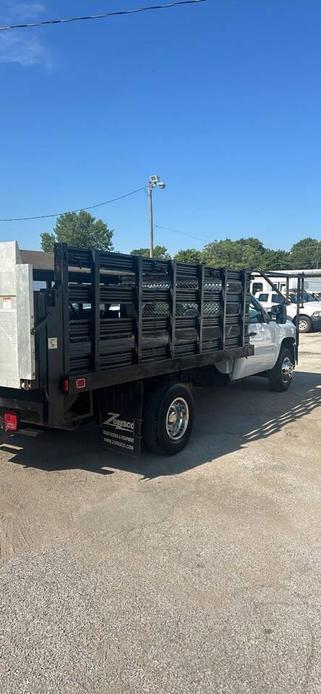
10 421
81 383
65 385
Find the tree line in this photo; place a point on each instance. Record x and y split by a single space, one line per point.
85 231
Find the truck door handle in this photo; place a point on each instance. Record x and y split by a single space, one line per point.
252 334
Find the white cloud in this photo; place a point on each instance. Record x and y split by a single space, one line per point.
22 10
23 50
21 46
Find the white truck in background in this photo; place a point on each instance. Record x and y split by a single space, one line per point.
309 308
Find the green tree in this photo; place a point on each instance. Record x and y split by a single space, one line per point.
234 254
47 241
160 252
79 229
275 260
306 254
244 253
140 251
189 255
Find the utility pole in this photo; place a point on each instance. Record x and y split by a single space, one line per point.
150 218
153 182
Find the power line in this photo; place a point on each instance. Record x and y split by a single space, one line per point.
67 20
184 233
57 214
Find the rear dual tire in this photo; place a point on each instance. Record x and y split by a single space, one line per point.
168 418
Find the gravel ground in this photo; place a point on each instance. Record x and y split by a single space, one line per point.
197 574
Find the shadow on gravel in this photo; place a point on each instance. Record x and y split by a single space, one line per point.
58 450
227 419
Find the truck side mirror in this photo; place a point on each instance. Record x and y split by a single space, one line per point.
278 313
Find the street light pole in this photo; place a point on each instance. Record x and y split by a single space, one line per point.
153 182
151 219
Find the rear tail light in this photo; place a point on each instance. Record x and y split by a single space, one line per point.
10 421
81 383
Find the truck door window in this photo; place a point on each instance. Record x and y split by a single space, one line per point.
308 297
256 314
263 297
257 287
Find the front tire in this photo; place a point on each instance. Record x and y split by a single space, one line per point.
280 377
168 418
305 324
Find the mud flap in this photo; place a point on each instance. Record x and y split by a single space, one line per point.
122 419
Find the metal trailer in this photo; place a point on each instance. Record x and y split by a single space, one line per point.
108 336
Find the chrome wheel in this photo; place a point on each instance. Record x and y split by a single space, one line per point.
287 370
177 419
304 326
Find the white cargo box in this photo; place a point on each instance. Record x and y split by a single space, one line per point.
17 343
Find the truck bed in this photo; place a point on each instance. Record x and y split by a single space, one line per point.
109 318
128 311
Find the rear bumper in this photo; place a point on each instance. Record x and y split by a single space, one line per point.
29 406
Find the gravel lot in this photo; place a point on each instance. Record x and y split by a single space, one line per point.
196 574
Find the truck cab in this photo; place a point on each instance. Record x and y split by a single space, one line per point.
310 309
274 340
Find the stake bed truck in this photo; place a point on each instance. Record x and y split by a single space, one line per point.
119 339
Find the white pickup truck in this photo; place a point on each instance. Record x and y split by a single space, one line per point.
310 310
274 344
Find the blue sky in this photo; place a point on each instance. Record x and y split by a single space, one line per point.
222 99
